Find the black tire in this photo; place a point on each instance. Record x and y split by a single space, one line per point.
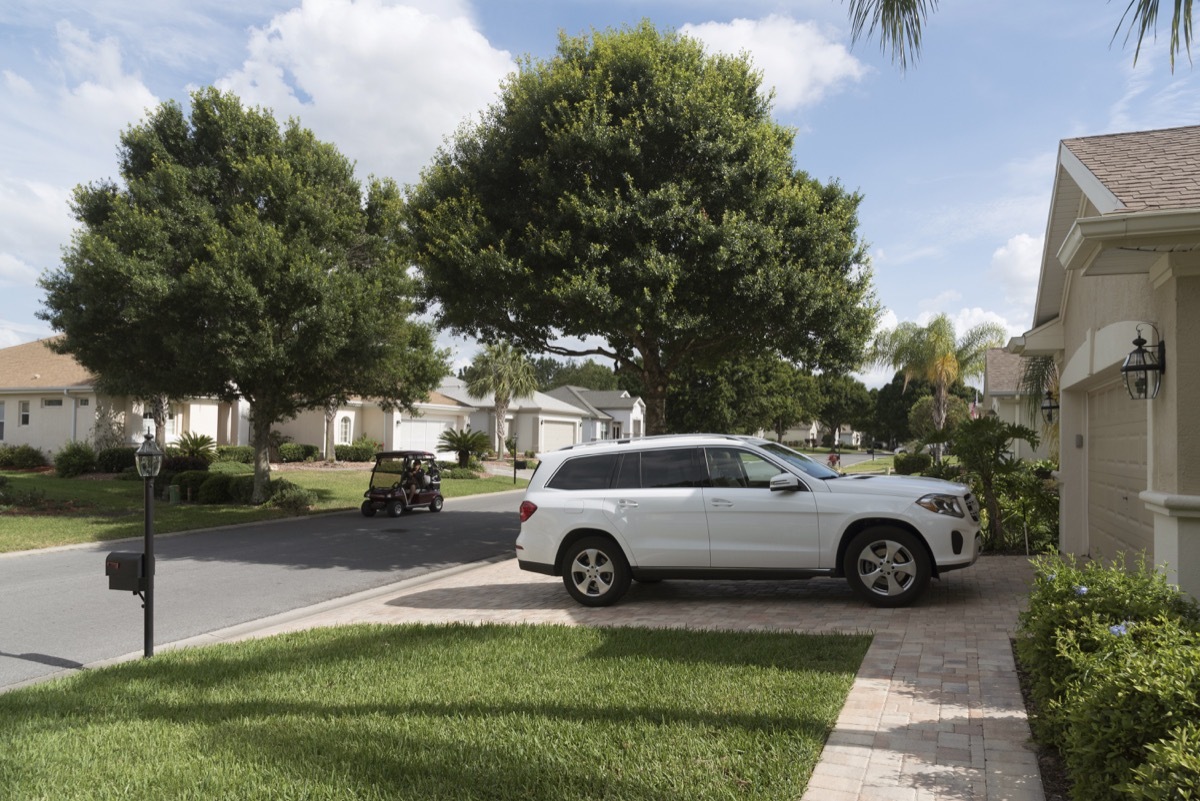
395 508
595 572
436 504
887 566
368 509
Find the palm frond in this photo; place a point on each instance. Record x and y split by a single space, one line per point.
1143 18
899 23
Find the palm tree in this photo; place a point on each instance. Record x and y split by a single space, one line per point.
502 371
899 23
465 443
934 352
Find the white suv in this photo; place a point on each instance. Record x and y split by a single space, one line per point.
729 507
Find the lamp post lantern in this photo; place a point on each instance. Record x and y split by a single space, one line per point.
149 460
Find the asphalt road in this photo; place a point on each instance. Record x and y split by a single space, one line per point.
57 613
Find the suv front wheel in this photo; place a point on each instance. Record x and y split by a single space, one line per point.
595 572
888 566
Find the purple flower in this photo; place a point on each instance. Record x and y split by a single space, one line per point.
1119 629
1081 590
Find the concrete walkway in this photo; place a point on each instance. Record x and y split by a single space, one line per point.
935 712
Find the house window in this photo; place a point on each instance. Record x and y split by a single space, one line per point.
616 430
22 413
84 401
1 421
51 402
345 429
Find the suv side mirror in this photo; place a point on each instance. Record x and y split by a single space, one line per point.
785 482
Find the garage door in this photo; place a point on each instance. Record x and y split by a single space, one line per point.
422 434
1117 519
557 435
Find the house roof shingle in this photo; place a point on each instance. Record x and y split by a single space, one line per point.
33 366
1145 170
1003 372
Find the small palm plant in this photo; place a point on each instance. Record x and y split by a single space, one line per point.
465 443
200 446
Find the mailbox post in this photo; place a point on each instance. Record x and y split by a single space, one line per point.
149 461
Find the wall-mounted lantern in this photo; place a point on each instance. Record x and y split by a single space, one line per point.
1143 369
1049 408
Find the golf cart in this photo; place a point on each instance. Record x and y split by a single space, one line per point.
402 481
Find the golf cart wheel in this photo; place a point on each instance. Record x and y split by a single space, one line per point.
436 504
368 509
395 508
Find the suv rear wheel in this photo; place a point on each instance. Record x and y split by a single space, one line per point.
887 565
595 572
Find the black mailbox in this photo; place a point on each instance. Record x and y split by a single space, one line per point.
124 571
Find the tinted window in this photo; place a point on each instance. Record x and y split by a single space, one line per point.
734 468
629 474
674 468
584 473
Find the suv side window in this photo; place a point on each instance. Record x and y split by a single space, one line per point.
584 473
732 468
629 474
678 467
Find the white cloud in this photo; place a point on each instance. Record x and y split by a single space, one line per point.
1016 266
798 59
386 83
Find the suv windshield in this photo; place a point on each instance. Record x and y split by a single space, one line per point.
799 460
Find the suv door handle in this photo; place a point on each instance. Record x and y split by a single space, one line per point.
626 504
721 502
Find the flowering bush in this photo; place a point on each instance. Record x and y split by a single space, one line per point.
1113 657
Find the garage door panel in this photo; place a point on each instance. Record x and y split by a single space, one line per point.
557 435
1118 521
422 433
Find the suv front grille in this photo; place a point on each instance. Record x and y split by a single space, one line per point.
972 506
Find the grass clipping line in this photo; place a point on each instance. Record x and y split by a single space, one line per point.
439 712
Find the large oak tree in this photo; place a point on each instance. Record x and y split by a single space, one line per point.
632 193
240 260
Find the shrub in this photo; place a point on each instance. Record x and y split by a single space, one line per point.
1028 499
298 452
75 459
215 489
161 481
189 483
197 446
235 453
114 460
291 498
231 468
908 464
362 449
458 472
21 457
179 464
241 488
1141 683
1171 771
1069 601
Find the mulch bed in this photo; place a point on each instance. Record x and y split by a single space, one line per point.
1056 784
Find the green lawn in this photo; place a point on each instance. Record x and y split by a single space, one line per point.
439 712
89 510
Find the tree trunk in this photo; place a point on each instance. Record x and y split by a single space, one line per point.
995 529
330 445
260 432
940 403
501 427
655 379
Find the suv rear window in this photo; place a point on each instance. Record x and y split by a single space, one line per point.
672 468
584 473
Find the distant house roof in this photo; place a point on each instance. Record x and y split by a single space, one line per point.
1145 170
33 366
577 396
607 399
455 389
1002 372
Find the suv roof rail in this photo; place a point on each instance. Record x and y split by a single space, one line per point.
658 438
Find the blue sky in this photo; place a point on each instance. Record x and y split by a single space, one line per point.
954 157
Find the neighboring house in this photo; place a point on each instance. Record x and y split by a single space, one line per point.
393 430
610 414
1122 251
1002 395
539 422
48 399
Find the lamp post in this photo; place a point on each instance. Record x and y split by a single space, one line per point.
149 461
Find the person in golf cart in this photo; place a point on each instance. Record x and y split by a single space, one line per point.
401 481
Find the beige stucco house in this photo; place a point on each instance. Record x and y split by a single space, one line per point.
1003 396
1122 250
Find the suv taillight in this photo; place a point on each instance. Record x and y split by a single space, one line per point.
527 510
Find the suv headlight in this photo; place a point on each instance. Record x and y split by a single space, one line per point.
941 504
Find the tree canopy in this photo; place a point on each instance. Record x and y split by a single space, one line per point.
590 374
240 260
742 397
500 372
634 190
